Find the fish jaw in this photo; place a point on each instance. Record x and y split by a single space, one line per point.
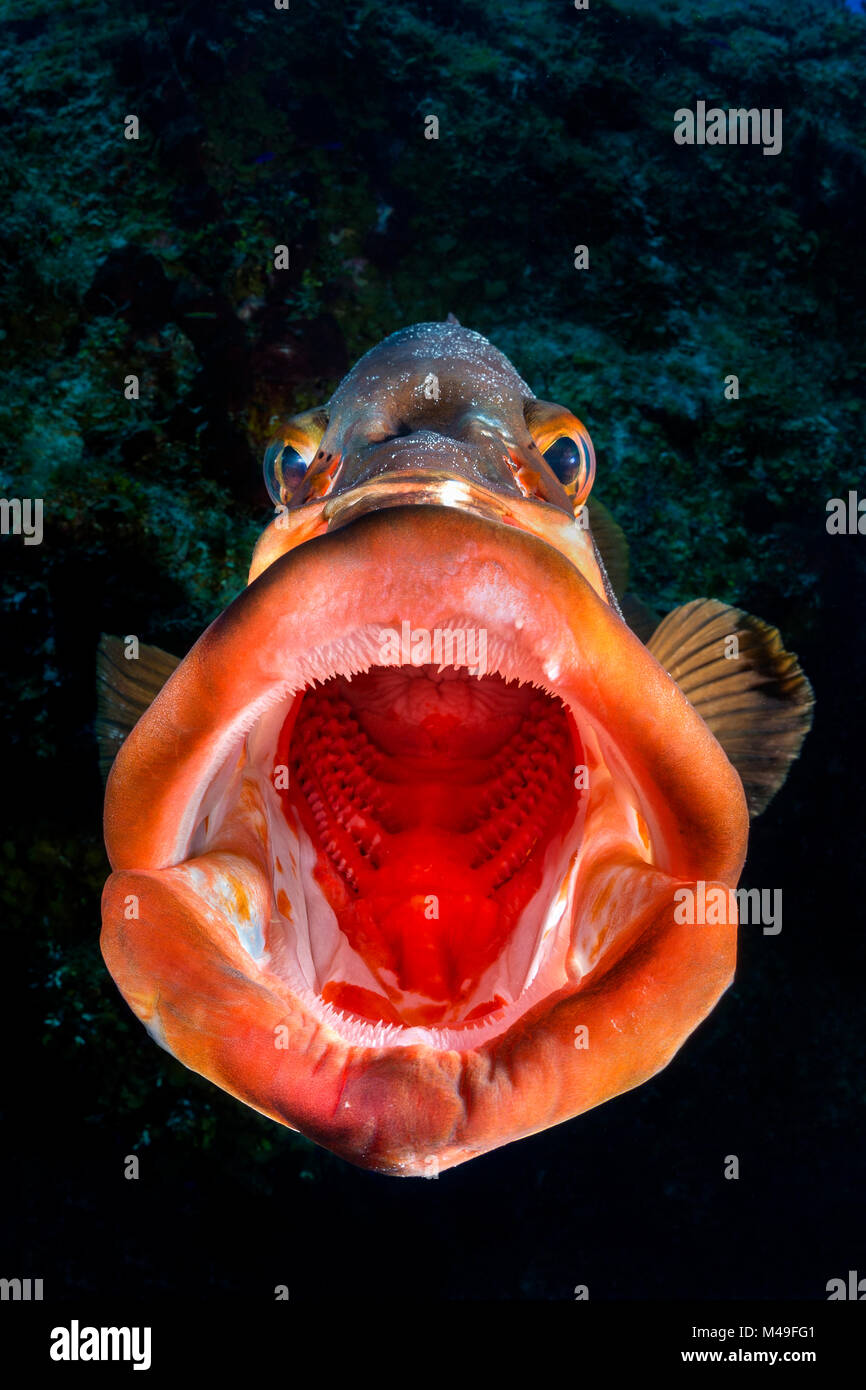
408 1111
199 939
441 487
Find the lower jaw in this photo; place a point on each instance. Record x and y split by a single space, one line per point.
407 1102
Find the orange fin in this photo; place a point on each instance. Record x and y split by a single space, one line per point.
750 691
124 689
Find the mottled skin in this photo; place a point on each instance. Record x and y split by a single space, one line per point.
425 507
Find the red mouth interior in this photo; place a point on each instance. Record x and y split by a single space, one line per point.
431 798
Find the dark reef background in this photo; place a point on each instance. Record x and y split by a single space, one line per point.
154 257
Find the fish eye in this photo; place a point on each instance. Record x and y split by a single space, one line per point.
284 468
571 459
565 446
566 458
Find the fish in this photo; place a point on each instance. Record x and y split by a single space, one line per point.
399 848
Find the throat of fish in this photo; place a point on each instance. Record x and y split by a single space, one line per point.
433 804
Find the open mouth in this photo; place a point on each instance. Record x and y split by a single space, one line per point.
422 827
440 840
425 872
440 806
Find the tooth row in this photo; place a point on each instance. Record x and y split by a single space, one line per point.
342 796
533 789
338 769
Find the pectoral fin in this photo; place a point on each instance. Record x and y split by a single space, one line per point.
748 689
124 689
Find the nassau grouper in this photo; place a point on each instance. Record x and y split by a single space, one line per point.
399 848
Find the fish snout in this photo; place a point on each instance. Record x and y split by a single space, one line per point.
424 454
479 455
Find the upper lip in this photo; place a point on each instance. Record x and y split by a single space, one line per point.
409 486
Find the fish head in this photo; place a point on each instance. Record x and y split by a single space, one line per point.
435 414
401 849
